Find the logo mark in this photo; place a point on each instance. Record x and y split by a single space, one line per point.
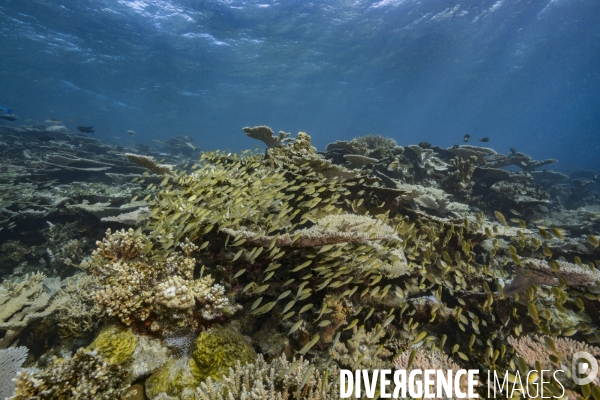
580 368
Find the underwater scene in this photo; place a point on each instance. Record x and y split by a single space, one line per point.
252 199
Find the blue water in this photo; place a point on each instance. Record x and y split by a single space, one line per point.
524 73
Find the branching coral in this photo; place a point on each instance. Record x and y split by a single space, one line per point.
134 287
363 351
462 175
375 142
301 147
121 245
86 375
174 293
430 360
61 248
277 380
534 350
25 301
78 314
212 299
15 250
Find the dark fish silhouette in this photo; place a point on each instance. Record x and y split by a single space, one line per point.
85 129
513 150
484 139
466 138
8 117
425 145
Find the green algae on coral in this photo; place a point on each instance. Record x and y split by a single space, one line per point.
174 379
217 350
115 343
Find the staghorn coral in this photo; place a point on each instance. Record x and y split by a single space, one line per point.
432 360
363 351
267 136
61 248
243 219
461 177
14 250
25 301
125 294
534 351
78 314
276 380
85 375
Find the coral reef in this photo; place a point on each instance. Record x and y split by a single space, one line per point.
25 301
423 257
85 375
279 379
431 360
78 314
215 352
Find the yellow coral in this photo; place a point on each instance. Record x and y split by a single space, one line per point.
115 344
